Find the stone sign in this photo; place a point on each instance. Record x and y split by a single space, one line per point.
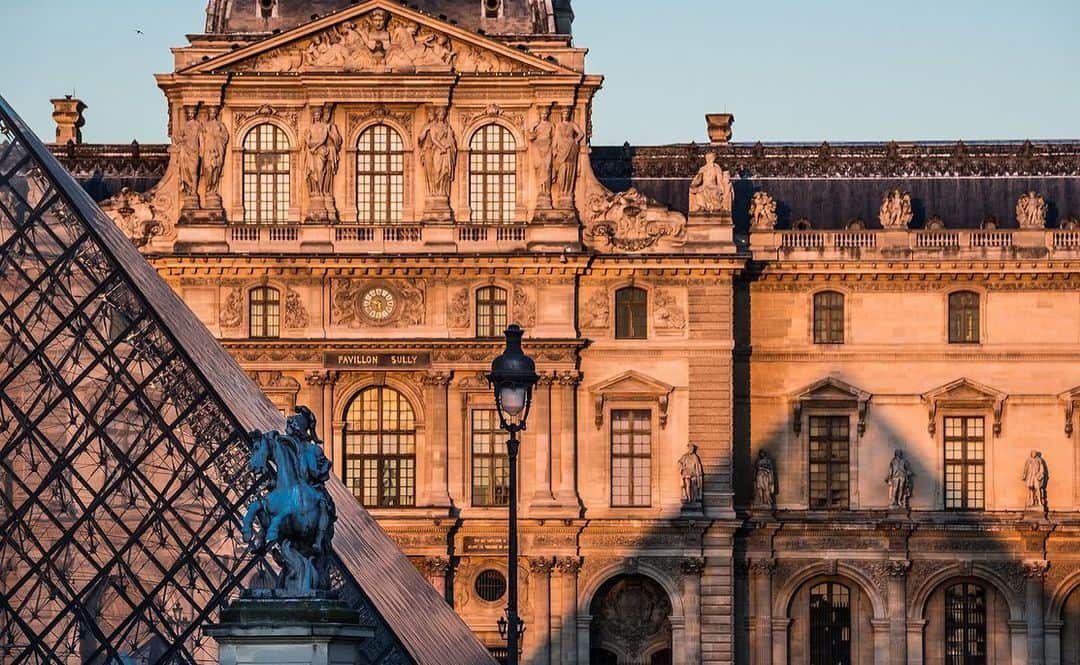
375 360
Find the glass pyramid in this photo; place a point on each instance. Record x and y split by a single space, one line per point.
123 453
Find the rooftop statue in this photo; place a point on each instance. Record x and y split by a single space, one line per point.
895 211
1031 211
296 518
711 190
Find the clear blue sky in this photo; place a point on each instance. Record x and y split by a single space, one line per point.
790 70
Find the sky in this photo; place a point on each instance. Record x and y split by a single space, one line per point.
791 70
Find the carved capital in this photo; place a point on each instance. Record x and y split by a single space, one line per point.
895 568
692 566
436 378
568 565
762 567
570 379
1035 569
541 565
320 377
546 378
435 566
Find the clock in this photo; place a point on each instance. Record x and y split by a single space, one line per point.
378 304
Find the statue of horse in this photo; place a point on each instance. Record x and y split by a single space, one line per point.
296 517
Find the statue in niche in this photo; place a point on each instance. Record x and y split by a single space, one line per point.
188 139
762 211
566 147
764 481
711 190
693 475
899 481
895 211
214 138
541 140
438 155
296 517
322 143
1031 211
1036 474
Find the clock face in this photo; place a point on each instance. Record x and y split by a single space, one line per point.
378 303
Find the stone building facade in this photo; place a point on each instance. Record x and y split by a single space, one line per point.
733 339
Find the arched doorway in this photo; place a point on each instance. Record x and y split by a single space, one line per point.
967 623
830 624
631 623
1070 629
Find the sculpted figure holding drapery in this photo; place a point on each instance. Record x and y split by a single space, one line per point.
566 147
438 155
541 138
322 143
214 138
188 141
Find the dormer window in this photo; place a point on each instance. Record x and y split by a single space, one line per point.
267 8
492 8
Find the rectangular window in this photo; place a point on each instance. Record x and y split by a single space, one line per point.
631 457
829 469
490 470
828 318
963 317
964 463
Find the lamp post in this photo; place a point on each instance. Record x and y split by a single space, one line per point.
513 375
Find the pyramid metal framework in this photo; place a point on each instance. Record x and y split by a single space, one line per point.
123 450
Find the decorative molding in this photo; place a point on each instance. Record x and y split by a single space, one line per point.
964 393
831 393
631 386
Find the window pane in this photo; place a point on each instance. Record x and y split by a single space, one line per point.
631 313
493 175
828 318
631 457
265 175
964 462
963 317
380 176
491 478
829 449
491 311
380 442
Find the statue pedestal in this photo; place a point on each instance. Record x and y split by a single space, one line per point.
317 630
712 232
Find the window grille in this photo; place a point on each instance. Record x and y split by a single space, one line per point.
490 469
380 448
828 318
829 466
491 311
631 457
964 317
631 313
830 624
266 175
965 625
264 312
380 176
492 175
964 462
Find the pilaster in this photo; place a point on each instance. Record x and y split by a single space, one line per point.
321 393
541 442
565 395
436 384
765 649
1034 575
567 569
896 573
435 569
690 570
538 635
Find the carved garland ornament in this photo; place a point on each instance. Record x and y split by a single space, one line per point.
378 303
630 222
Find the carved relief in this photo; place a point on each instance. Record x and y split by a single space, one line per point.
762 211
232 309
295 314
377 303
597 310
1031 211
143 216
379 41
459 313
667 313
895 212
630 222
524 308
265 111
633 614
354 119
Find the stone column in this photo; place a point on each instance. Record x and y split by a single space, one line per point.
765 651
436 437
691 570
880 629
1017 642
435 569
540 586
541 421
321 382
566 407
915 631
567 569
896 571
1034 574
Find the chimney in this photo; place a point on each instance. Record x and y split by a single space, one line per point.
67 113
719 126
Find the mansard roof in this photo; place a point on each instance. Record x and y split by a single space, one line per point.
511 17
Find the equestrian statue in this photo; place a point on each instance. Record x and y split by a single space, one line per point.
296 516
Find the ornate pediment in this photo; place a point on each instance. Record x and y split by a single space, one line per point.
831 393
377 37
964 394
631 386
632 222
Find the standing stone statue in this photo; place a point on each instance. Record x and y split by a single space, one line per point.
764 481
188 139
214 138
566 148
711 190
899 481
1031 211
322 143
438 155
296 517
692 474
541 137
1035 478
895 211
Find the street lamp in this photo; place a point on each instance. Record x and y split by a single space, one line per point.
512 377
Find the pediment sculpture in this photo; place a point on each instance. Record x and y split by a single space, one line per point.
382 41
1031 211
895 212
630 222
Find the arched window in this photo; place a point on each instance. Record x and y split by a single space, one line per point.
266 175
264 312
830 624
490 311
631 313
380 448
380 175
964 317
965 624
828 318
492 175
